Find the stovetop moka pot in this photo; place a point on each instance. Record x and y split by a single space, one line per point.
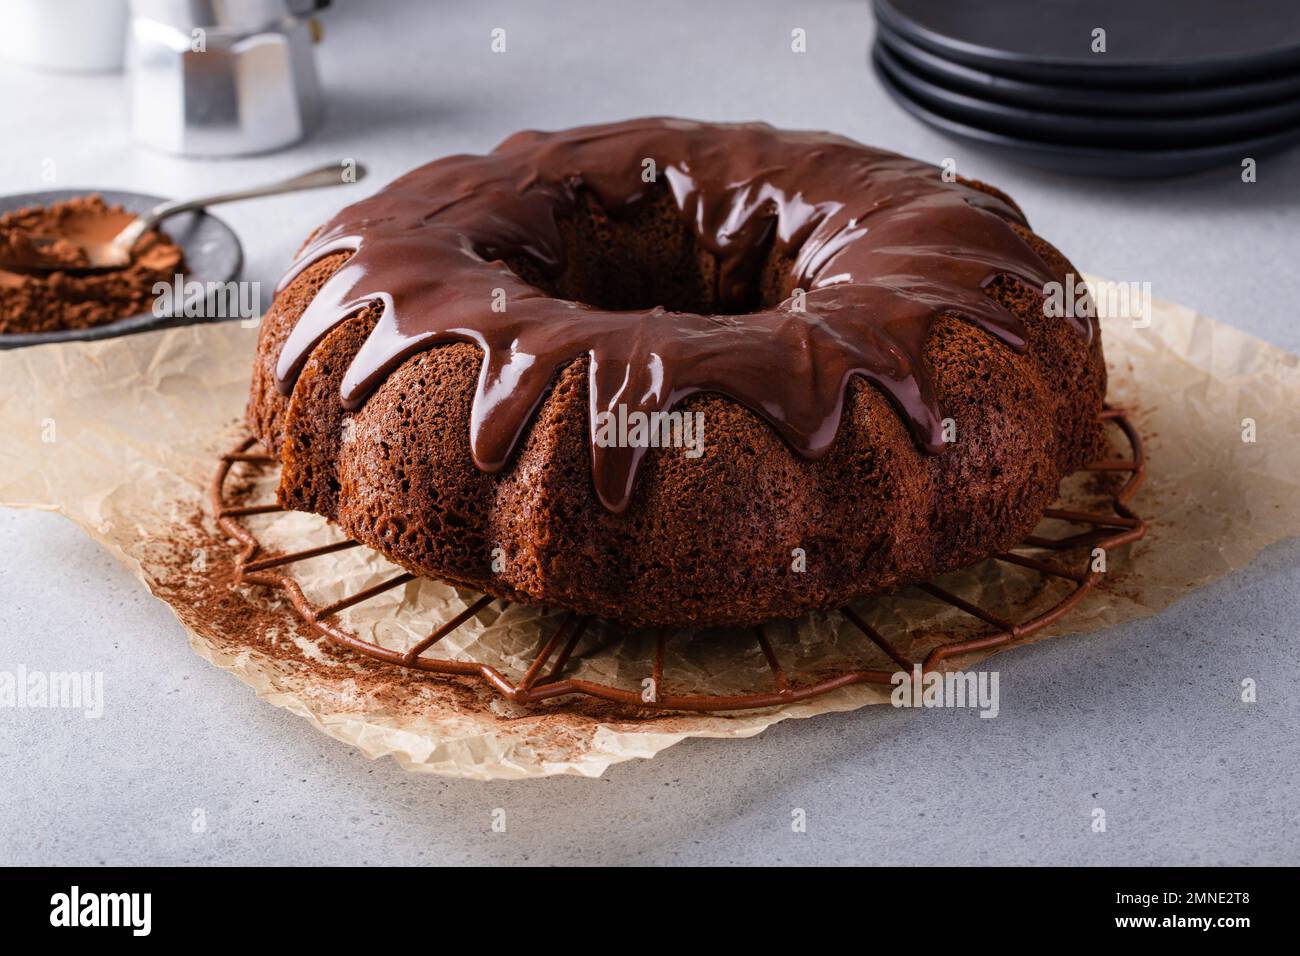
223 77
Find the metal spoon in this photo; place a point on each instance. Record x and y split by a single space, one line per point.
116 253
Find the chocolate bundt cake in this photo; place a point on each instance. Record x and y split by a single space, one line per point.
677 373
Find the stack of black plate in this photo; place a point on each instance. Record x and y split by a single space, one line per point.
1099 87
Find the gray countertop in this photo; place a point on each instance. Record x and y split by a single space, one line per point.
1143 721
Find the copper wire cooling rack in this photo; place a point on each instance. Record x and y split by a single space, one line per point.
541 682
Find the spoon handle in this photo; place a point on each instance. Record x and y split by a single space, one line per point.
331 174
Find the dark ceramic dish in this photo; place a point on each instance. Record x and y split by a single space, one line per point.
212 254
1148 42
1159 132
1089 160
1191 99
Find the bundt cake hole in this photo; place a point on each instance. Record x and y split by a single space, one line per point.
650 258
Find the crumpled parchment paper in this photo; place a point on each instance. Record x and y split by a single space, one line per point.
122 436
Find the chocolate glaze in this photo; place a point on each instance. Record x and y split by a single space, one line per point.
881 246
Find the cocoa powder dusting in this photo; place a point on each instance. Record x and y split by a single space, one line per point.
33 299
194 574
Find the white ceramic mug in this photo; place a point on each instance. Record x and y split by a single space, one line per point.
72 35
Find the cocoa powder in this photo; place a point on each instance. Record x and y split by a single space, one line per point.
33 299
192 570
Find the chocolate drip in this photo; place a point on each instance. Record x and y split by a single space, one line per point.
881 247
